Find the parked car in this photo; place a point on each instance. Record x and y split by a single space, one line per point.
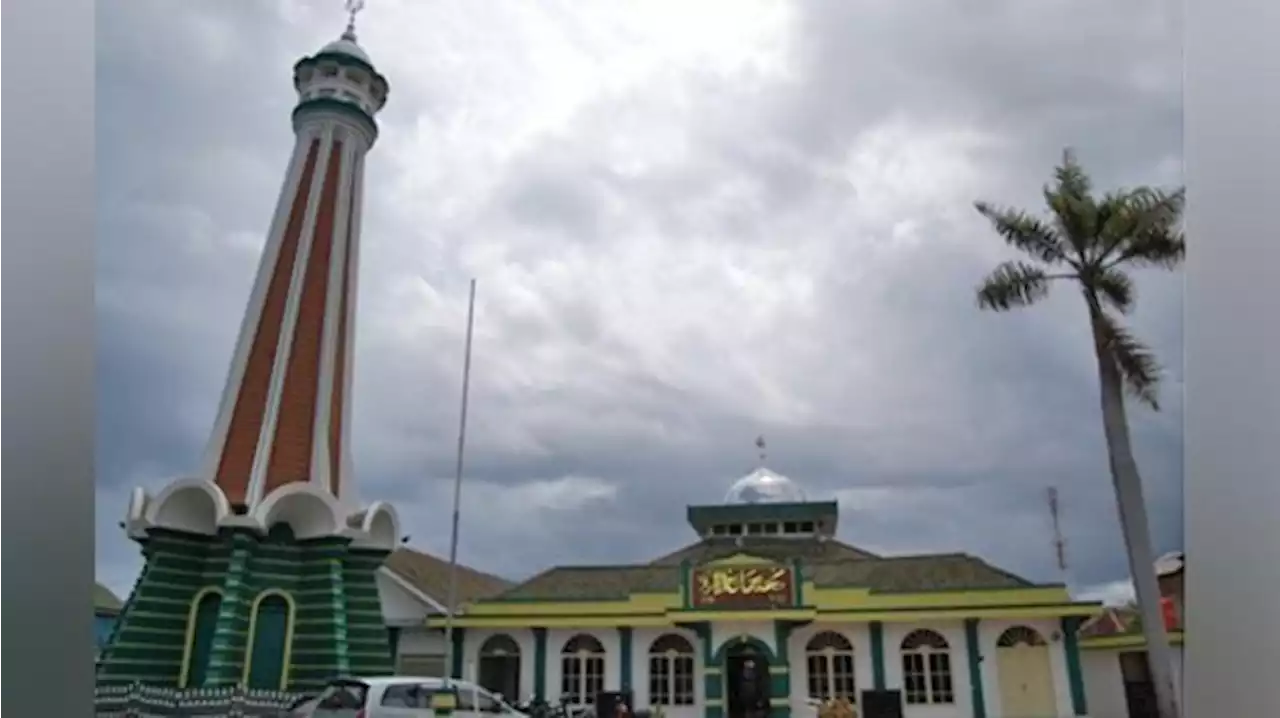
302 707
404 697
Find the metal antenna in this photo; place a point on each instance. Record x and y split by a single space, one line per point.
1059 543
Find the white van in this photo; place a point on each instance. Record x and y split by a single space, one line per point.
404 697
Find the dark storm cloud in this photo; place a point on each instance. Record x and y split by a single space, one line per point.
678 267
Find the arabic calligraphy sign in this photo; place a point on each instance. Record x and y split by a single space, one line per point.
742 587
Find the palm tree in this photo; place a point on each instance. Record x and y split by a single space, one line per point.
1092 242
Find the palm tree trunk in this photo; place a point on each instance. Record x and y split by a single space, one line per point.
1133 517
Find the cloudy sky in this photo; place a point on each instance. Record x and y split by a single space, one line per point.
692 223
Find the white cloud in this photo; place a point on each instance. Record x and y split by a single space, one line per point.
1112 593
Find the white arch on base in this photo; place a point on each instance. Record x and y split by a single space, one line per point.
379 525
191 505
310 511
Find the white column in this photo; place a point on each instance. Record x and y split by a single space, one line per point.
321 458
347 490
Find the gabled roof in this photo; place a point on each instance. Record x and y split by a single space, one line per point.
902 574
430 575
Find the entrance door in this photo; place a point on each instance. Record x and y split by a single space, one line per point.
499 669
746 683
1026 674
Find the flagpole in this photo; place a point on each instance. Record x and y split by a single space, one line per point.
457 492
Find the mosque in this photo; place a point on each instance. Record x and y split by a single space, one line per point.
765 601
265 571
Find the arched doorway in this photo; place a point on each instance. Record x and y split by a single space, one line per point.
270 628
201 623
499 670
1026 674
747 682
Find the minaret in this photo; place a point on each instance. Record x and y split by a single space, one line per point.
260 568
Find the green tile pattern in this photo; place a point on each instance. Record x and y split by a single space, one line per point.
337 625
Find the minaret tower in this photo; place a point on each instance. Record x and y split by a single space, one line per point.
260 568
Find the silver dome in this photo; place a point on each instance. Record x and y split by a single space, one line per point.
763 486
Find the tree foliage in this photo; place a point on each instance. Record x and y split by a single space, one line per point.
1093 241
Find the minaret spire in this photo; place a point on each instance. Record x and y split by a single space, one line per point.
277 484
285 414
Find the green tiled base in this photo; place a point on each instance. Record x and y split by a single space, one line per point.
337 622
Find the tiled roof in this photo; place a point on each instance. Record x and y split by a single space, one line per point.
850 567
1120 621
430 575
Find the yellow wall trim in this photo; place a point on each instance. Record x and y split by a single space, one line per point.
740 559
960 613
672 617
798 614
824 600
288 635
1133 640
188 643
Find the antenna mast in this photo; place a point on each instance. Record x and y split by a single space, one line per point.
1059 543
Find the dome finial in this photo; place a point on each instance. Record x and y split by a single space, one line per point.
761 446
353 8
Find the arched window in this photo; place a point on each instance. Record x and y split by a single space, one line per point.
1016 635
201 622
581 670
671 671
829 659
926 669
267 650
500 666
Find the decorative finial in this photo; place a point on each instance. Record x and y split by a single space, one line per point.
760 445
353 8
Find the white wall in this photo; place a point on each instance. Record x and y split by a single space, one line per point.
1104 681
399 607
424 641
421 641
